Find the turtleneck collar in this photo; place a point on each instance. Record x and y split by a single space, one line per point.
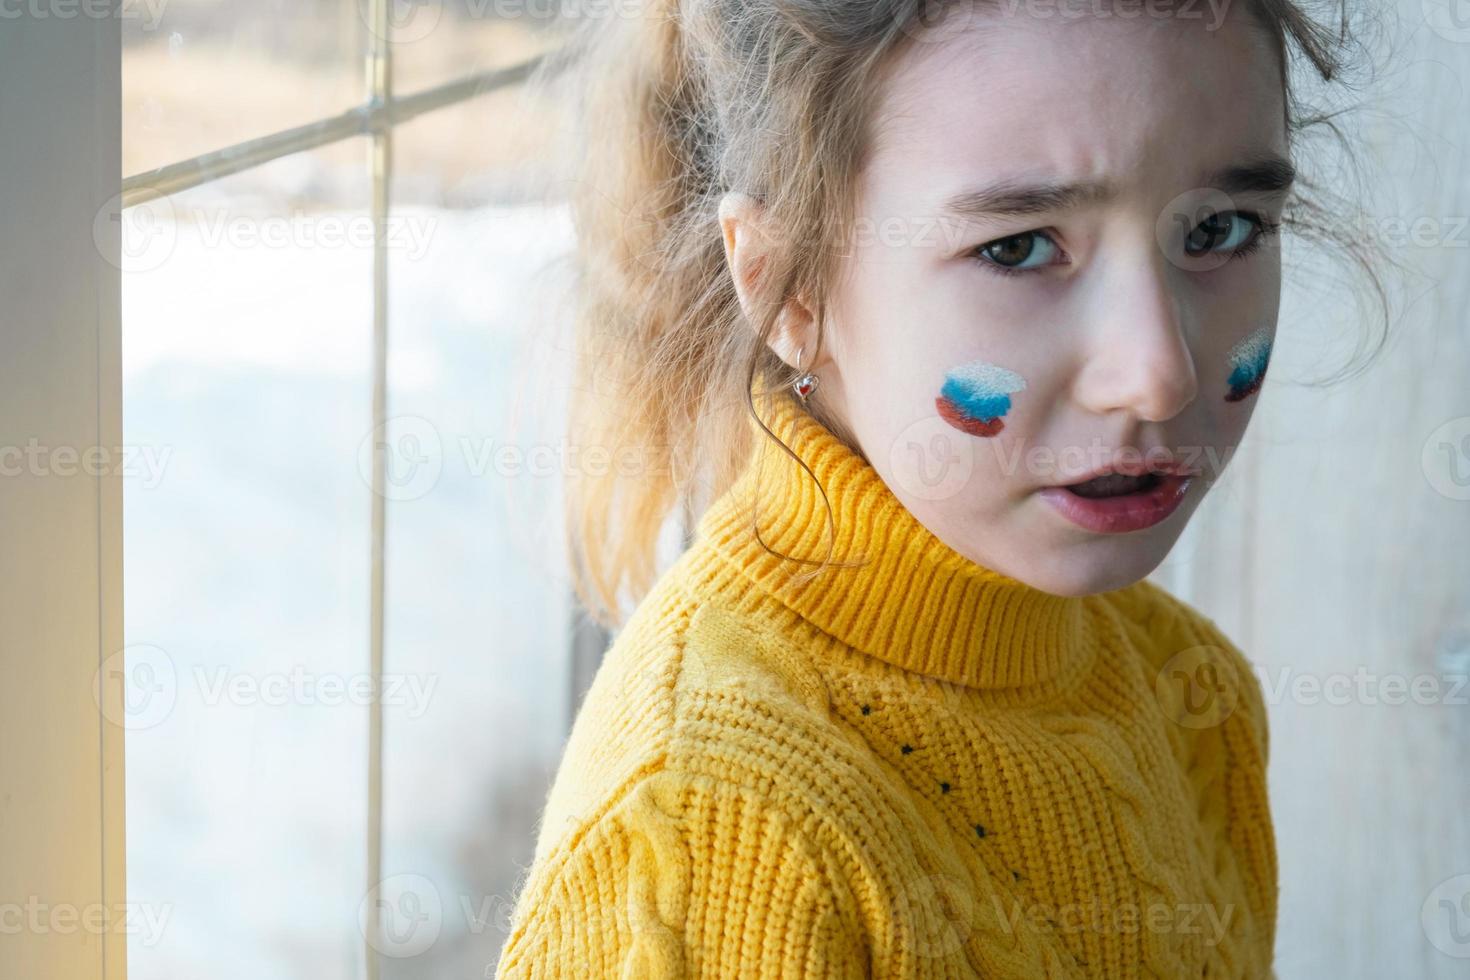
911 600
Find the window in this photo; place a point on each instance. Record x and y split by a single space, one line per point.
350 640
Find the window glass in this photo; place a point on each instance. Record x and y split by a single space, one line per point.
202 75
247 342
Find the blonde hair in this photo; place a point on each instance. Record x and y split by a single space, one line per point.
674 106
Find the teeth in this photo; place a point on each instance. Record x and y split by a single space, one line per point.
1113 485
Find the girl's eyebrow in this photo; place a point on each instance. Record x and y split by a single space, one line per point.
1270 174
1265 175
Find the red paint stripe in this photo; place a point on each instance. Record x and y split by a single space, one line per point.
965 423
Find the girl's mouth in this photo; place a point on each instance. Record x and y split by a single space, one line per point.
1116 502
1113 485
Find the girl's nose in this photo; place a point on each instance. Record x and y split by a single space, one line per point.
1139 359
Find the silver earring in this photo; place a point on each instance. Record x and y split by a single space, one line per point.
806 382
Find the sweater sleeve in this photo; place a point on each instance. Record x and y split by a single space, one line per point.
1244 685
683 877
1251 833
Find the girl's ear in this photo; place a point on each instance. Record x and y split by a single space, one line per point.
746 243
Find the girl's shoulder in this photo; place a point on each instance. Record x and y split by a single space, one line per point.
1162 623
697 685
699 755
1191 656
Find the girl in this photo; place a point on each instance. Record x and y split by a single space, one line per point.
949 316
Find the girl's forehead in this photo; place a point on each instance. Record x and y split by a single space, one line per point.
1096 97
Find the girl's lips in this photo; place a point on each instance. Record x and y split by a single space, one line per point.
1125 512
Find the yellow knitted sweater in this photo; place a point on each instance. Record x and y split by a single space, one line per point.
915 767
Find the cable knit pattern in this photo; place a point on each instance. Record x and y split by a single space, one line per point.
909 767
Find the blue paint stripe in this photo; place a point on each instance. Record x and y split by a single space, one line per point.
1245 373
976 404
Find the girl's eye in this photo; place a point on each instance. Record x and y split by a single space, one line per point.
1015 254
1226 231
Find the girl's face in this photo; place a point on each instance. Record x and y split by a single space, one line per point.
1060 264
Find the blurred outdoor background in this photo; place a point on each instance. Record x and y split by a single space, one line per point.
248 333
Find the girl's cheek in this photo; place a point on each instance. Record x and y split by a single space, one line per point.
976 395
1248 360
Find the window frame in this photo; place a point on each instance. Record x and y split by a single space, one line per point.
61 631
62 379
